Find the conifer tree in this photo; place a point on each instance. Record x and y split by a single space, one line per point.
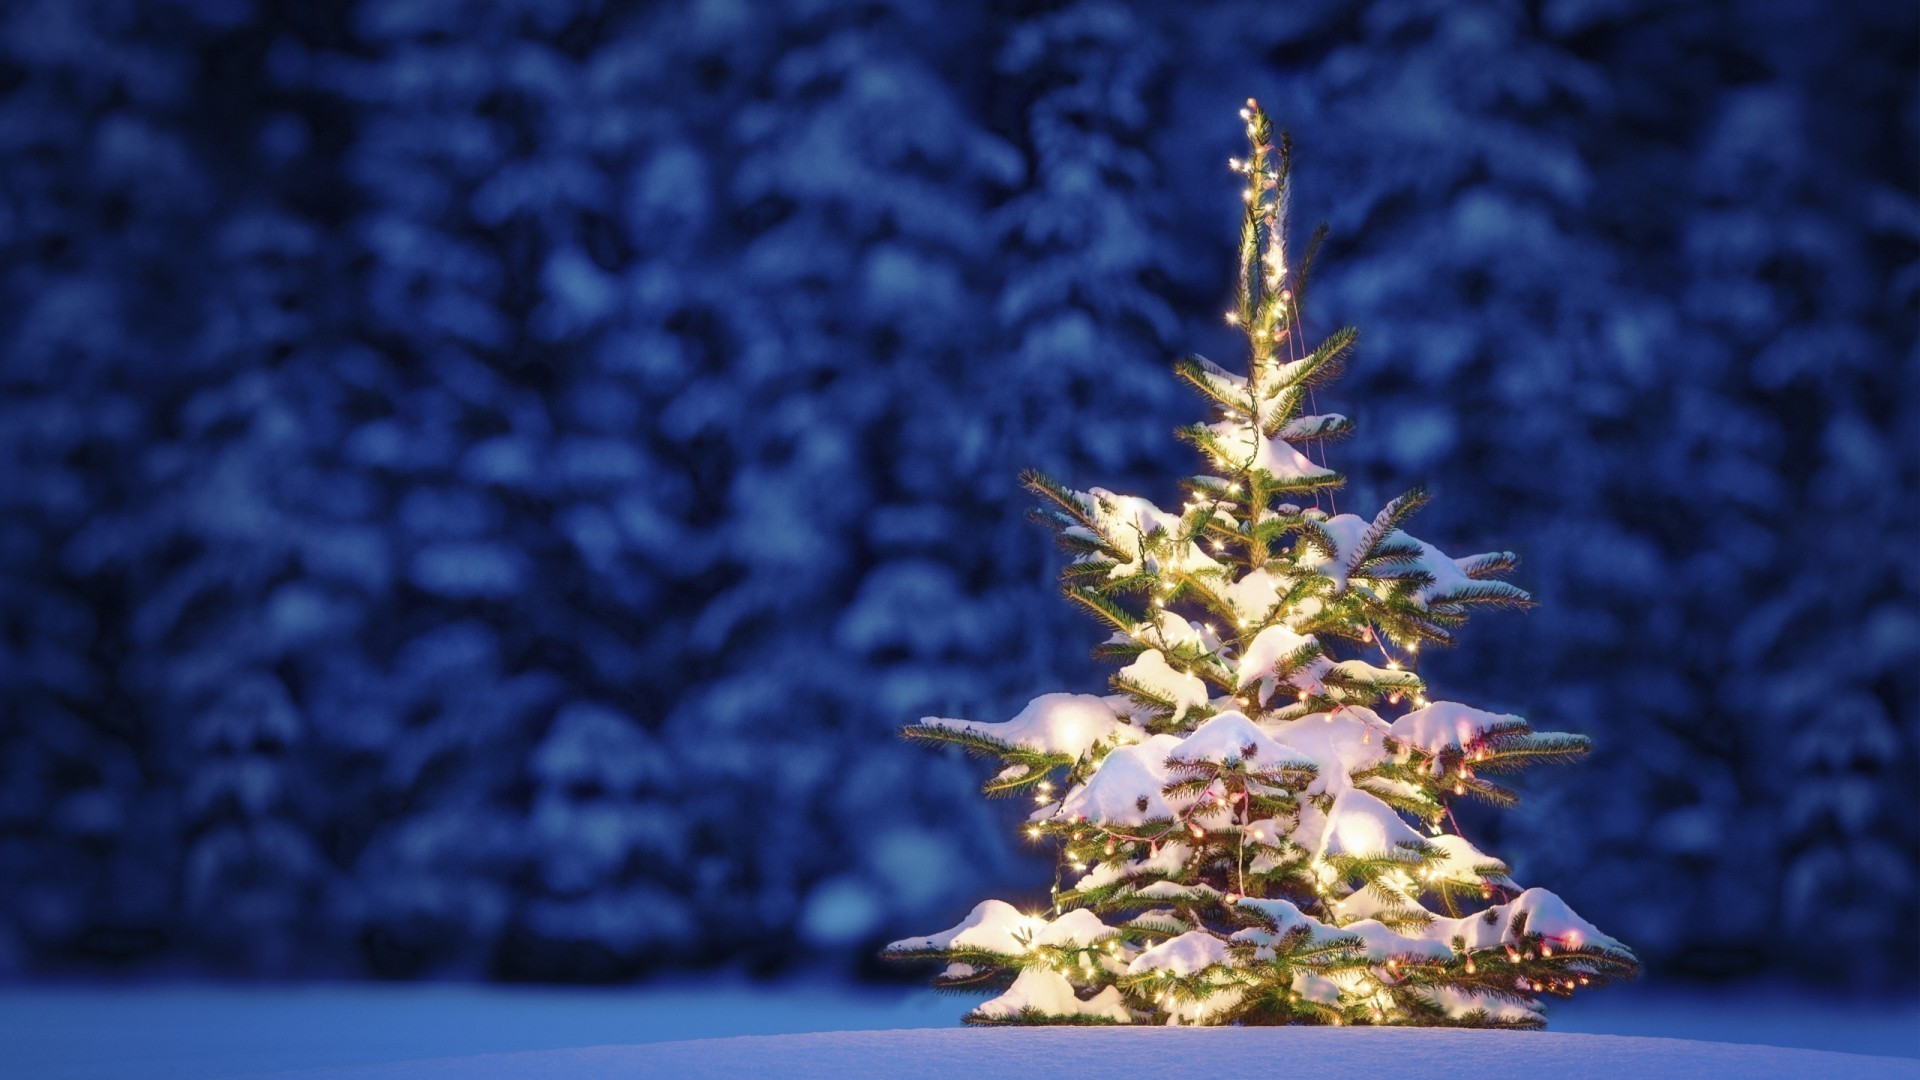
1242 836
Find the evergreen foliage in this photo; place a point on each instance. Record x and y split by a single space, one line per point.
1231 823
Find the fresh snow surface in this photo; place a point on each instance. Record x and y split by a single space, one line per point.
1128 522
1547 915
1346 531
1168 861
211 1032
993 925
1254 595
1230 736
1445 725
1092 1053
1078 927
1047 991
1126 777
1361 825
1378 941
1353 737
1151 672
1260 660
1195 950
1067 724
1246 447
1448 577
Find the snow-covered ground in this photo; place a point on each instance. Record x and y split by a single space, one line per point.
200 1032
1099 1053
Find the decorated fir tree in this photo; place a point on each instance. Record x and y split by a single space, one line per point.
1256 826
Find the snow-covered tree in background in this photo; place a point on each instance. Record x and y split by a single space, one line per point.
1082 302
1236 822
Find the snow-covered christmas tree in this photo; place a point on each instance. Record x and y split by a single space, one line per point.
1243 836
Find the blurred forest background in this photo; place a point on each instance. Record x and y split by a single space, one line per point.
481 484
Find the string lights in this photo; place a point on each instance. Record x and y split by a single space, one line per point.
1244 848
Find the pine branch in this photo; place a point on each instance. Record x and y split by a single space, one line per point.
1510 753
1484 593
1103 609
1488 564
1386 522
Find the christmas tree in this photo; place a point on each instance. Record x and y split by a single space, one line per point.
1242 835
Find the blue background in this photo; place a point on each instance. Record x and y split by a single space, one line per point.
482 484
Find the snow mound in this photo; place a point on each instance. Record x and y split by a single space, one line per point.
1126 788
1048 992
1362 826
1263 657
1547 915
992 926
1151 672
1230 737
1068 724
1097 1053
1449 725
1195 950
